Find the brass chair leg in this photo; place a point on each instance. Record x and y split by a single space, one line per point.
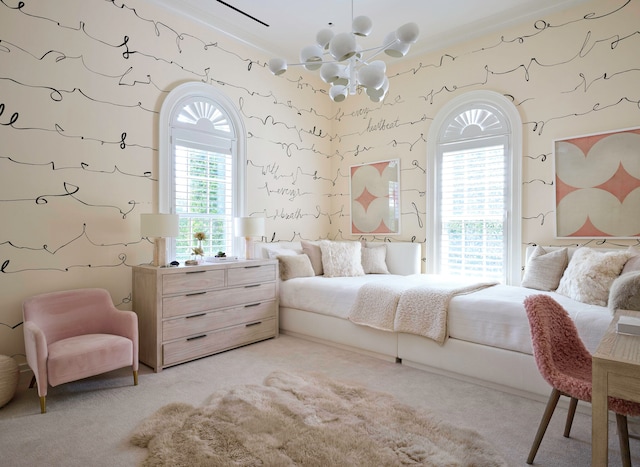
135 378
43 404
544 423
623 438
570 415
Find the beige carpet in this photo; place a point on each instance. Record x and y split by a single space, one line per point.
307 420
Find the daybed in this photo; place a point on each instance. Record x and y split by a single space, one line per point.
488 338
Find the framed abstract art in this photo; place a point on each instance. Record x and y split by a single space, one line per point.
597 185
375 198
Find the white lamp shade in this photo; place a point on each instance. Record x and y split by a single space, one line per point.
323 38
342 46
277 66
329 72
395 48
408 33
371 76
338 93
311 56
159 225
362 26
343 76
376 95
248 226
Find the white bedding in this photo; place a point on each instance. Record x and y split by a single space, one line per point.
494 316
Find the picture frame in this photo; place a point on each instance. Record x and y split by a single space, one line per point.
375 198
597 185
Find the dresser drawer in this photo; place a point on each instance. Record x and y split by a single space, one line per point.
196 302
202 322
208 343
191 281
251 274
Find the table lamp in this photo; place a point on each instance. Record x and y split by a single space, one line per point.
248 227
159 226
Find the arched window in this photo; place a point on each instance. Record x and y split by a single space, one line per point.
474 188
202 168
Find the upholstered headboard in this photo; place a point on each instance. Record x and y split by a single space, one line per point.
403 258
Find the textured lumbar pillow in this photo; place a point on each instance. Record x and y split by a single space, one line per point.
544 269
341 259
295 266
590 273
374 260
625 292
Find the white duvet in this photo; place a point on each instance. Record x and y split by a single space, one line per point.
494 316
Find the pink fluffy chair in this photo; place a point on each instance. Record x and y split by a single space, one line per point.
565 363
75 334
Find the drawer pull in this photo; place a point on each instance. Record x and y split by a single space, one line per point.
251 267
252 285
195 316
252 304
253 324
196 337
195 293
194 272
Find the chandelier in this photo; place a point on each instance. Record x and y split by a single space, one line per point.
345 65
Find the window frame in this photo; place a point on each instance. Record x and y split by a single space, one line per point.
173 103
513 193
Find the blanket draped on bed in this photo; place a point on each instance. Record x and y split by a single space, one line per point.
410 305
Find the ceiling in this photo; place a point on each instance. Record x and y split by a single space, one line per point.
281 28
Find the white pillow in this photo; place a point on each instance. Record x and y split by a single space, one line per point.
374 260
544 269
341 259
590 274
292 266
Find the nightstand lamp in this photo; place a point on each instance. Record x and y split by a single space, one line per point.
248 227
159 226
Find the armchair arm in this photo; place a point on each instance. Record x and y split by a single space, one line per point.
125 323
35 343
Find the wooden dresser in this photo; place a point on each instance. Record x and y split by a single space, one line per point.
189 312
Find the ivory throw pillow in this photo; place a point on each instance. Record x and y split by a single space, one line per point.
295 266
625 292
341 259
544 269
315 255
374 260
590 273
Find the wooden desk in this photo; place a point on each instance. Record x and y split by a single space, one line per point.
616 372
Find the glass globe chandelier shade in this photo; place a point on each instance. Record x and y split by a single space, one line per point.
342 63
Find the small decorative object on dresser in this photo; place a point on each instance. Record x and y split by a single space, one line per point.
186 313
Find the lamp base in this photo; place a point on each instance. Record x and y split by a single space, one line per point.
248 247
160 252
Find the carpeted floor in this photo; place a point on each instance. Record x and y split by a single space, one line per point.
91 422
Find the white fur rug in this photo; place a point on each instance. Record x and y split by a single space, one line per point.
299 419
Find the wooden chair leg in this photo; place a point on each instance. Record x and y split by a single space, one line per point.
623 438
544 423
572 412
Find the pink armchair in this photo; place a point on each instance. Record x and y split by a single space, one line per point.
75 334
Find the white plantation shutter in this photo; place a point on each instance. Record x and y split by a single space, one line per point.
472 211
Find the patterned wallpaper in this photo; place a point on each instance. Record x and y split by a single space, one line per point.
82 82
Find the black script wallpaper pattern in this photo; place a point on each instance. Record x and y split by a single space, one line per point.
82 82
